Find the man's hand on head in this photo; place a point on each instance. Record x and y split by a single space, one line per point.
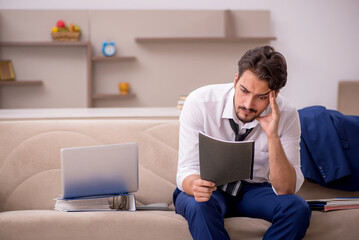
270 122
282 173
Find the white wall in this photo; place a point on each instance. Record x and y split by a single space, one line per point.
318 37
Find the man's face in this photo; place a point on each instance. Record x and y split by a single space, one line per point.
251 96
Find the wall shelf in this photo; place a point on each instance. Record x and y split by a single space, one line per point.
87 45
201 39
114 59
21 83
92 96
228 36
113 96
44 44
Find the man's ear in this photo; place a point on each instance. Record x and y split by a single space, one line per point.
277 92
236 80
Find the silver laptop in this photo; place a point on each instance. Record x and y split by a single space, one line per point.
99 170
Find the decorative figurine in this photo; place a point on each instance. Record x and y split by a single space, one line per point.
124 87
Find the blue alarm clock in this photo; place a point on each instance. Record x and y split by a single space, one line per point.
108 49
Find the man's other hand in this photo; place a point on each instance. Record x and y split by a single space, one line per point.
200 189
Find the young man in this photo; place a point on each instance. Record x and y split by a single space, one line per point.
251 105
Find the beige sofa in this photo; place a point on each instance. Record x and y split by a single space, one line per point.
30 178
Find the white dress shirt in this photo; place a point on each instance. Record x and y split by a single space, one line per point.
208 109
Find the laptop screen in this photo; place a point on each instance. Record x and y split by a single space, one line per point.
99 170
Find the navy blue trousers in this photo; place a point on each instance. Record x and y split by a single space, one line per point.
289 214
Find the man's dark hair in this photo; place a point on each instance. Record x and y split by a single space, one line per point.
267 64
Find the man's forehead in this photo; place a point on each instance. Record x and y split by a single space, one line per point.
259 91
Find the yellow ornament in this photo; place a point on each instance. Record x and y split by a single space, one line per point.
71 27
54 29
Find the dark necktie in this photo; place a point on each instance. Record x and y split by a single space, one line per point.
234 187
239 137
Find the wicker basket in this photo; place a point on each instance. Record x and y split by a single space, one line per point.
65 36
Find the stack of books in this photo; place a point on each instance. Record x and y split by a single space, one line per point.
333 204
118 202
181 101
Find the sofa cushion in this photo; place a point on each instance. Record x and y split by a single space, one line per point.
48 224
311 190
54 225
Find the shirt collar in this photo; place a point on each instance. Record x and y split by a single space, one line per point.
229 112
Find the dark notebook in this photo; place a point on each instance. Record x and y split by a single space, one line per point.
223 162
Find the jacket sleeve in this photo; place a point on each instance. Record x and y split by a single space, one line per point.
321 146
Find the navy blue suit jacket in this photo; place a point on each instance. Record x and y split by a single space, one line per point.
330 148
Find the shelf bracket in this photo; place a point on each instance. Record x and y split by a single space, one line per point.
228 24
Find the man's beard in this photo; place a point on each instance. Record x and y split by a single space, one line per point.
244 120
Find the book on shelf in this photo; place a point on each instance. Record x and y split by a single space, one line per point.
181 101
331 204
223 161
117 202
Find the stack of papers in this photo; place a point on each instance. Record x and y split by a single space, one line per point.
120 202
333 204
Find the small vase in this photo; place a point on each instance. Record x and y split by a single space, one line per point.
124 87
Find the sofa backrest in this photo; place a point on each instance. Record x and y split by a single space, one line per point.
348 97
30 174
